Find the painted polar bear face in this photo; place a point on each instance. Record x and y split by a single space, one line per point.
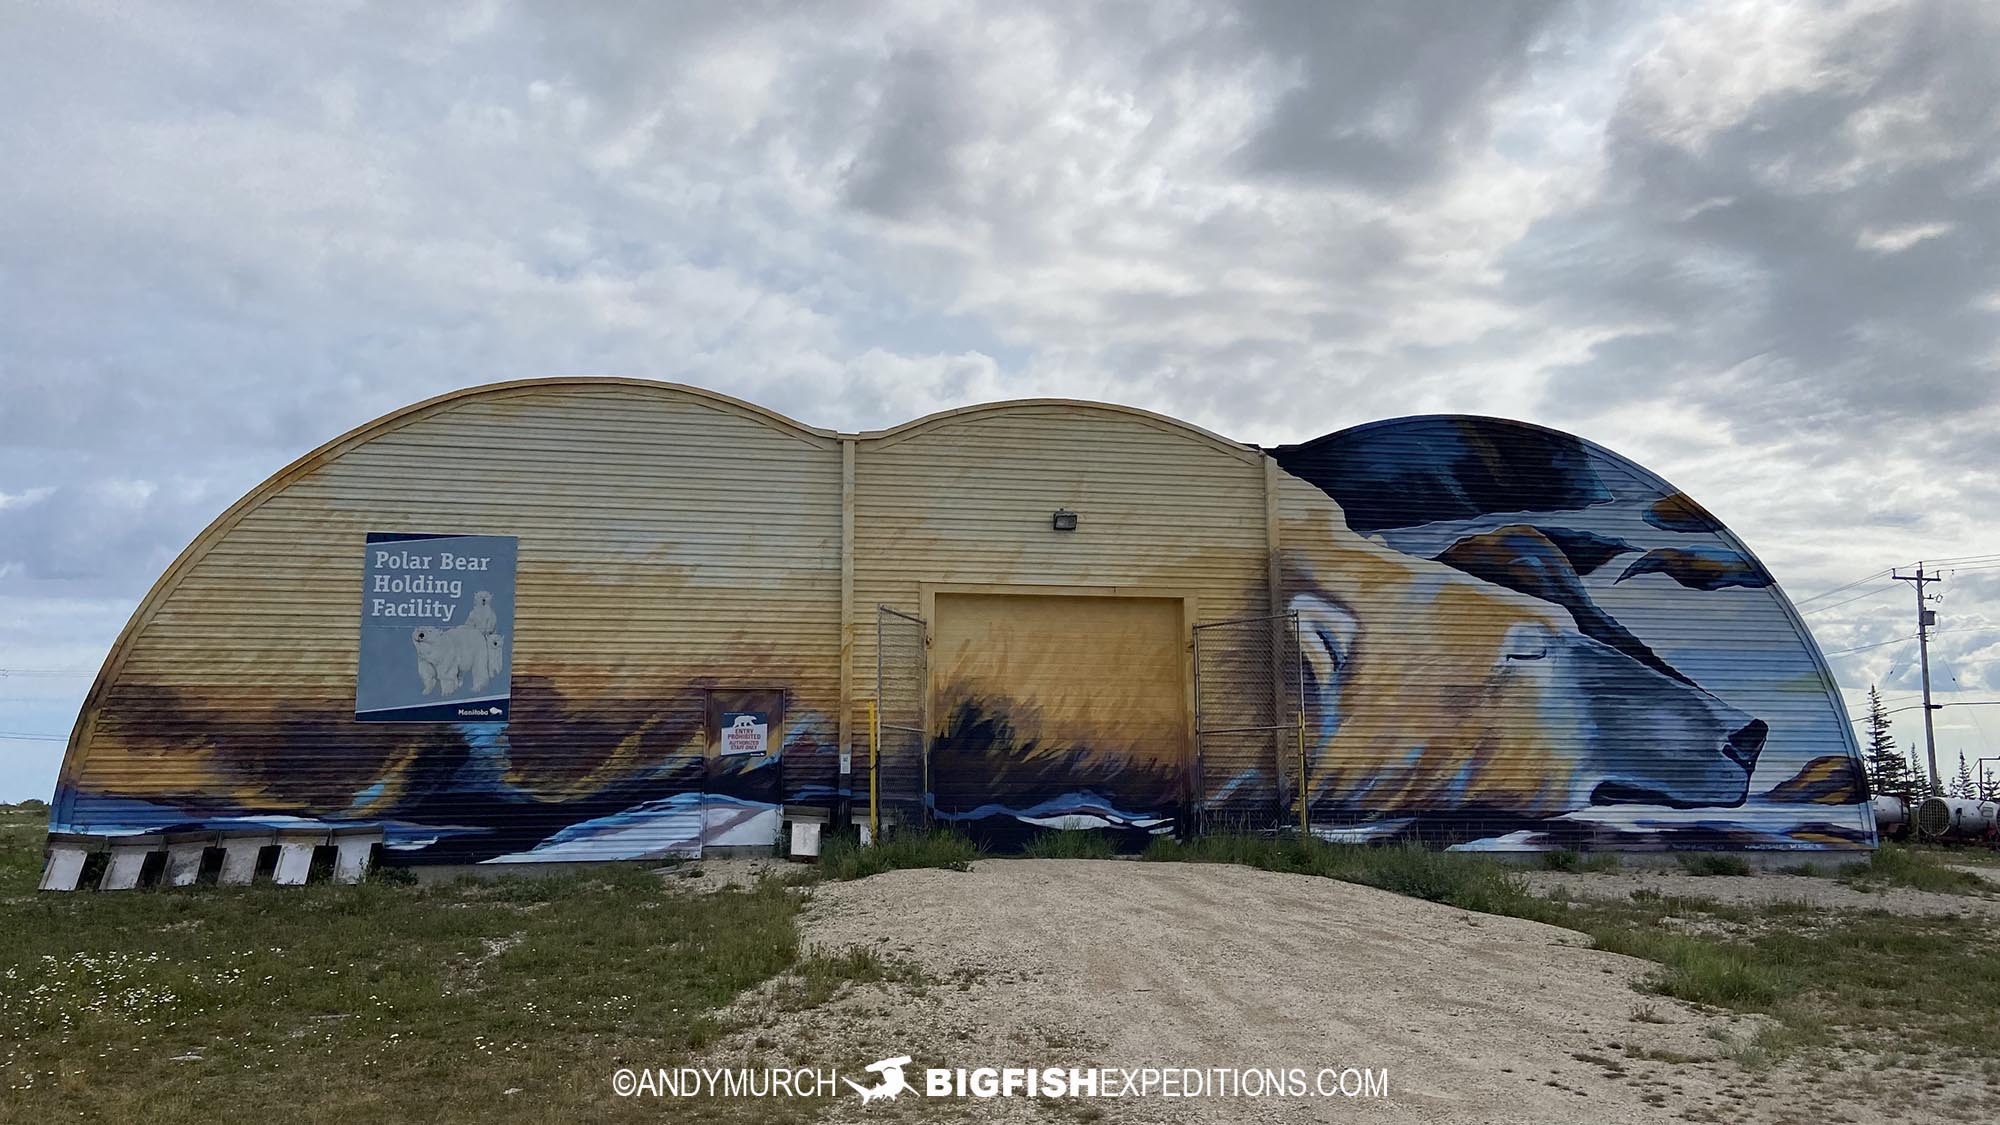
1437 692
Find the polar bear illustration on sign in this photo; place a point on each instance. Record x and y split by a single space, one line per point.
482 616
446 657
496 658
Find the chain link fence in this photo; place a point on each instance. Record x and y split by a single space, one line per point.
902 687
1249 703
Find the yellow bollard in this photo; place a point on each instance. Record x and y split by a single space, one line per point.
874 774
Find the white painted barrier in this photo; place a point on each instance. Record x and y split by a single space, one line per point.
128 859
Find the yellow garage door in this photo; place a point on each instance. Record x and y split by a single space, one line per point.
1058 711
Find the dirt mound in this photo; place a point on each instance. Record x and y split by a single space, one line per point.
1067 963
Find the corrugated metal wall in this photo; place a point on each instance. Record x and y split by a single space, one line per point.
1513 638
669 541
966 500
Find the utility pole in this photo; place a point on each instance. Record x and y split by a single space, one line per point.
1925 619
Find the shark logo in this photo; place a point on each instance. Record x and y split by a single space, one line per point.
892 1082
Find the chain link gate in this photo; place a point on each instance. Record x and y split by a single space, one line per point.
1249 721
900 784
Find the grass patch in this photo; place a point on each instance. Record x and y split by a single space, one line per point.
841 858
821 975
1707 863
1850 979
1070 845
1460 879
1894 865
370 1002
1566 860
1973 855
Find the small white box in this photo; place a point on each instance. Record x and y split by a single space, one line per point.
805 838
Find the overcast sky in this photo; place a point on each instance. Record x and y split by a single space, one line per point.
1751 245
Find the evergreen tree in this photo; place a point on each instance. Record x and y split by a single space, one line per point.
1920 782
1888 774
1961 785
1989 783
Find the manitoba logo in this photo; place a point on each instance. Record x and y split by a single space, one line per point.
892 1082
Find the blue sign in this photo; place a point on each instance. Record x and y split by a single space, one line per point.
437 628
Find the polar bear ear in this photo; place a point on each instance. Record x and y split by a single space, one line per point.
1327 635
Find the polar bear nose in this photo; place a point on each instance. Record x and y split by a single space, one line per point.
1745 743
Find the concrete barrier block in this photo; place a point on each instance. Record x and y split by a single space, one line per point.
355 846
184 852
239 856
295 854
128 859
66 854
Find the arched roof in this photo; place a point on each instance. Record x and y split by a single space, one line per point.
367 431
1241 450
417 411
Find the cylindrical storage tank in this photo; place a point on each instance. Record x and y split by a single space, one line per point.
1974 818
1933 817
1958 817
1892 815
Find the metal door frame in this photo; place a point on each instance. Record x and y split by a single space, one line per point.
1284 719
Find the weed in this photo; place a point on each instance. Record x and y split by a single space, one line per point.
843 859
1898 866
1461 879
1566 860
1070 845
1707 863
821 976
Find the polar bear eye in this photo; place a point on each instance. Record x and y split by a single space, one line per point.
1526 642
1327 634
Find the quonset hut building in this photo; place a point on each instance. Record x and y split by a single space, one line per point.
600 619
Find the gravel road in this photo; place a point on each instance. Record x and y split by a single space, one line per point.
1122 964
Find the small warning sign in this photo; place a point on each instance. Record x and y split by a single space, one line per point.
745 732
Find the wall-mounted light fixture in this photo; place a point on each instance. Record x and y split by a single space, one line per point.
1065 520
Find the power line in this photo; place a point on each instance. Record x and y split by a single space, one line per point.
1847 601
1865 648
14 736
1883 573
1962 562
1985 745
1934 707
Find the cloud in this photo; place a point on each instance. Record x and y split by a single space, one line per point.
1751 245
1387 96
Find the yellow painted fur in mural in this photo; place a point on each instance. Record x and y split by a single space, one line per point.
1439 692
